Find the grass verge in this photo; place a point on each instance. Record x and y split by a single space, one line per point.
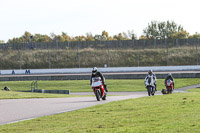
178 112
83 85
24 95
80 86
194 90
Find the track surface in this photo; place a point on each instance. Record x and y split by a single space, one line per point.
14 110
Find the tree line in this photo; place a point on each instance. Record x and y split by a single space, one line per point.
154 30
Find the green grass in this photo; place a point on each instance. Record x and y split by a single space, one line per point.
83 85
178 112
25 95
194 90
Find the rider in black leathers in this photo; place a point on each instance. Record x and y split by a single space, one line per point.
169 76
96 73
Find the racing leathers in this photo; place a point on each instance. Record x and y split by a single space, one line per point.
99 74
154 78
171 78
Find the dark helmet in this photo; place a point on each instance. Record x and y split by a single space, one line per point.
94 70
150 72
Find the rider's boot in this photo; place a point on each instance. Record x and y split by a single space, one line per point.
155 88
105 87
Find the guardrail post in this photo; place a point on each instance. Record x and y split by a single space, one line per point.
197 55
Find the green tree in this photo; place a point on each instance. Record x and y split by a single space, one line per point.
162 30
195 36
180 35
26 37
89 37
132 35
41 38
53 37
121 36
1 41
66 37
79 38
98 37
105 35
142 37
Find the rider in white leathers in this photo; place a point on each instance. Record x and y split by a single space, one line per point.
150 73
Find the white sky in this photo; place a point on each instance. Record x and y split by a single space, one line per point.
77 17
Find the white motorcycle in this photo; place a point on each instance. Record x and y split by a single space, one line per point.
149 83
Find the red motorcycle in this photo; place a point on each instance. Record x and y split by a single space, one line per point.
98 88
169 87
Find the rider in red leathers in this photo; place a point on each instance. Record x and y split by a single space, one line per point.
169 76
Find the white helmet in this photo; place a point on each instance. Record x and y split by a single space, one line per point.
169 74
94 70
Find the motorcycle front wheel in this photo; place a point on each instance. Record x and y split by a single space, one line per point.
169 90
97 94
149 91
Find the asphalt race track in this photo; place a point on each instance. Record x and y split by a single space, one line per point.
14 110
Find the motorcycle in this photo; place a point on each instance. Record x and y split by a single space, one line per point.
149 83
169 87
98 88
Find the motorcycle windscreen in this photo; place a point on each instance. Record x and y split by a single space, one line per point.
96 84
168 82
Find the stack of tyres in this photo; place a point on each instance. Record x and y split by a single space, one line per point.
164 91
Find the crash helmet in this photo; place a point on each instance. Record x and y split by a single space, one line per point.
94 70
169 75
150 72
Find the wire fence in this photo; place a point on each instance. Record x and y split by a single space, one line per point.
126 53
122 44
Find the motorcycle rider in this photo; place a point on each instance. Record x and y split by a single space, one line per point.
96 73
169 76
150 73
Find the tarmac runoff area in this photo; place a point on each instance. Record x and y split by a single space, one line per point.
15 110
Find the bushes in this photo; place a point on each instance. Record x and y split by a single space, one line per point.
41 59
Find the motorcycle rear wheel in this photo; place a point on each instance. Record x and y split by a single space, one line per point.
169 90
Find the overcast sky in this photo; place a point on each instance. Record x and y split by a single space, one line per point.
77 17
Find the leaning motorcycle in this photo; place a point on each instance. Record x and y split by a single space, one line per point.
149 83
169 87
98 88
